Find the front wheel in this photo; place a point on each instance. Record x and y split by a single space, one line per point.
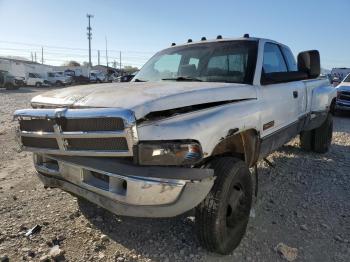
38 84
222 217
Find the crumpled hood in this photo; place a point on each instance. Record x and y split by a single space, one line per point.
145 97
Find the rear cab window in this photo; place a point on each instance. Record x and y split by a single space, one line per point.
288 55
279 65
273 60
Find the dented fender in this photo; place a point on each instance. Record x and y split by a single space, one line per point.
207 126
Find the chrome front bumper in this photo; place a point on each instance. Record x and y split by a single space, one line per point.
125 189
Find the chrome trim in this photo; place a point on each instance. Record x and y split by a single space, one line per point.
94 134
128 132
140 191
121 153
76 113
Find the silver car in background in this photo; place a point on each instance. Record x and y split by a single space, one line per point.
343 94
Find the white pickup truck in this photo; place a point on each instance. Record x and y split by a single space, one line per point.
183 134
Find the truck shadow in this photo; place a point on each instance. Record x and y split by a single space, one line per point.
154 238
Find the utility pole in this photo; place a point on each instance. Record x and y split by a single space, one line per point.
35 56
106 55
42 55
31 55
120 62
98 57
89 34
115 64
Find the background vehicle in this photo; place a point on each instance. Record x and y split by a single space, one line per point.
338 74
343 94
80 79
97 77
58 79
126 78
34 79
186 136
20 81
7 80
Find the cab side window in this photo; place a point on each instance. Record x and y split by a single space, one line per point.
273 60
291 63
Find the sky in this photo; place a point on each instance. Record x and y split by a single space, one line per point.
140 28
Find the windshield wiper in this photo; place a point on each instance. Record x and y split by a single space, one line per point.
183 78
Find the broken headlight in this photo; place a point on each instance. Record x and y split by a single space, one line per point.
170 153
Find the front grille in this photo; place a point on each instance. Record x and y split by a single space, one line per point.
37 142
36 125
344 97
93 124
101 132
345 93
102 144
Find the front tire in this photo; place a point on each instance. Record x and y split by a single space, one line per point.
222 217
38 84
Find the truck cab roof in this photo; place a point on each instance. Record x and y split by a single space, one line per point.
257 39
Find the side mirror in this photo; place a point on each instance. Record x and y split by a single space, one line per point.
309 63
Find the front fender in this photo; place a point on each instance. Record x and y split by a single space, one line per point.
207 126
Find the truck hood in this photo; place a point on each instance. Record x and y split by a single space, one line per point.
145 97
343 86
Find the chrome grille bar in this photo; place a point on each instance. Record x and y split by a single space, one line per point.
95 134
63 137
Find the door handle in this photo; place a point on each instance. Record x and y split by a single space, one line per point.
295 94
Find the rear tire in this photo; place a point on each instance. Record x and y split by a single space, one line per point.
323 135
306 140
319 139
222 217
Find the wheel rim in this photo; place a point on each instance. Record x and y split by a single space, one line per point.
236 207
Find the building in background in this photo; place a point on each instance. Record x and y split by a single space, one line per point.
22 68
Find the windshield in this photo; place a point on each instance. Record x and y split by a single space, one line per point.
229 61
347 78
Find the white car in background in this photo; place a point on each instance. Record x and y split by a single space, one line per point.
98 77
34 79
59 79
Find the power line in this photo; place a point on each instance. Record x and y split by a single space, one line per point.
74 48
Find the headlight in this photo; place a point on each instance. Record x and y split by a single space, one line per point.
169 153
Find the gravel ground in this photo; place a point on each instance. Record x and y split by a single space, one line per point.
303 203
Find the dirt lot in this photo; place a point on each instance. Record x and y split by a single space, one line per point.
303 202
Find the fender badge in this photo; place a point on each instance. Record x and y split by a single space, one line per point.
268 125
